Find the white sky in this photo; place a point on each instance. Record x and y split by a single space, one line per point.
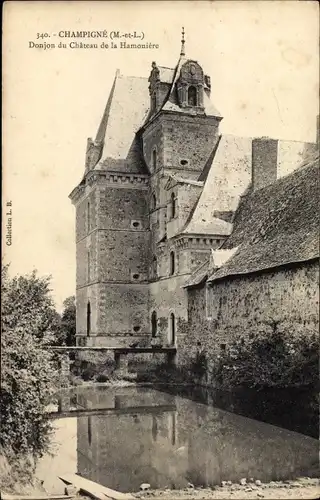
262 58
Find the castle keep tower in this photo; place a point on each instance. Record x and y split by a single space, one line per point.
134 206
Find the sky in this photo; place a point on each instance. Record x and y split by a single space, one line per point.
262 58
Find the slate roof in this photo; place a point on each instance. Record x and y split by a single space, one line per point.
276 225
200 275
228 175
125 112
226 180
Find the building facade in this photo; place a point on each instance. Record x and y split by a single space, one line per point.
160 190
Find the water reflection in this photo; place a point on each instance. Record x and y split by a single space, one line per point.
132 435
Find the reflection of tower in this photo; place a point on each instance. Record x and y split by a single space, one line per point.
129 441
172 427
154 428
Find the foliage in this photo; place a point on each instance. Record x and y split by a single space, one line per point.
199 366
28 370
279 358
68 321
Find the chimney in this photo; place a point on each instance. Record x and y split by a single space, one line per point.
264 162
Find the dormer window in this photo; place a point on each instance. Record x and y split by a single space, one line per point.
192 96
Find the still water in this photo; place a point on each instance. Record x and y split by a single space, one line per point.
123 437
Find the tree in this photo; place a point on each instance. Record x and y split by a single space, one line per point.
29 372
68 320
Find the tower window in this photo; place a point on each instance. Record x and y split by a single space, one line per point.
172 330
154 159
88 319
88 217
154 267
136 224
173 205
192 96
172 263
88 265
154 324
153 202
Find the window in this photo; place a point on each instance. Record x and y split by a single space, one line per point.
154 159
173 205
153 202
88 217
192 96
88 265
88 319
89 430
184 163
154 267
172 330
154 324
136 224
172 263
209 303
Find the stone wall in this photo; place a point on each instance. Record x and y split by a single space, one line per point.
189 139
113 260
246 306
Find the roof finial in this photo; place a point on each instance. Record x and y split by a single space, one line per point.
182 53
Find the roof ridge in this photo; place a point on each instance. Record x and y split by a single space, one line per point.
204 174
101 132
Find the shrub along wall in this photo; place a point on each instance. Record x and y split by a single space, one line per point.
247 313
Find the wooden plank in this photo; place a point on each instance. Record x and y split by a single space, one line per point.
93 489
36 497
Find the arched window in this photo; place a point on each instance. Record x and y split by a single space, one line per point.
154 159
154 324
88 217
173 205
172 263
88 319
172 329
192 96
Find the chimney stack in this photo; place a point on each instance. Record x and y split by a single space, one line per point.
264 162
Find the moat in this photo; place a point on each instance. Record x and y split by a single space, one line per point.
169 437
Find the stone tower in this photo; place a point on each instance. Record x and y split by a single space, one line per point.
133 206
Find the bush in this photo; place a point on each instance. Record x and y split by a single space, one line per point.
279 358
28 369
102 377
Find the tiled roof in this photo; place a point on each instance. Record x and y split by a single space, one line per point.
227 179
276 225
125 112
208 225
199 275
209 108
